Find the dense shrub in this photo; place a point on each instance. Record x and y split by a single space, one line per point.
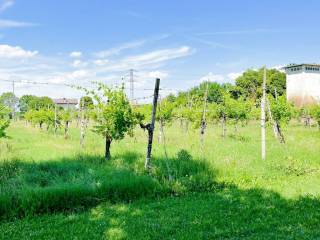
28 189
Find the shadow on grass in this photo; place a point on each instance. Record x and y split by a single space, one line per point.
205 209
70 184
227 214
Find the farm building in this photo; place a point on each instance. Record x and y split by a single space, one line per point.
303 83
66 103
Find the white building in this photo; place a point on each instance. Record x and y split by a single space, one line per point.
303 83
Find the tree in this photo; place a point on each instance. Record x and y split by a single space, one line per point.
41 102
25 103
31 102
9 100
29 116
305 114
86 102
51 118
237 110
276 83
37 117
4 120
164 115
113 115
281 113
215 92
86 106
315 112
171 98
66 117
250 82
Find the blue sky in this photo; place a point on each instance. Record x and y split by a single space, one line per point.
183 42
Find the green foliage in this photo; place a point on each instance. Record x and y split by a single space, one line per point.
213 112
4 124
250 82
113 115
25 103
165 112
63 187
215 92
315 113
65 116
171 98
27 189
281 110
31 102
143 112
43 116
86 102
4 120
239 110
8 99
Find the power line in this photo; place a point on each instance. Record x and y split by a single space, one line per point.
143 98
33 82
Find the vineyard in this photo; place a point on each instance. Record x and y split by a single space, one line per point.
187 165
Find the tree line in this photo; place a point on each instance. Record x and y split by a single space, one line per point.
114 117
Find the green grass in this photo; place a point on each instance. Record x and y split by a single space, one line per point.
223 191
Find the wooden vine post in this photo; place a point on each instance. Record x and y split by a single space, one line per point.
203 120
271 119
55 119
82 124
150 127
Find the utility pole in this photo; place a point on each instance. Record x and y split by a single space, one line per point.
263 115
131 86
150 127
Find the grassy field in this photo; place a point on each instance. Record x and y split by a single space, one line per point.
51 189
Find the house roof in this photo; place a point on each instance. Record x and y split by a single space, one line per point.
302 64
71 101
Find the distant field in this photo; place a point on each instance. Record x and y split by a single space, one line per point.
51 188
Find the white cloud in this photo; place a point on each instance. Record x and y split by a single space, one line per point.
78 63
5 4
6 23
117 50
60 70
279 67
153 59
159 55
79 74
220 78
157 74
14 24
71 76
75 54
212 78
101 62
233 76
7 51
